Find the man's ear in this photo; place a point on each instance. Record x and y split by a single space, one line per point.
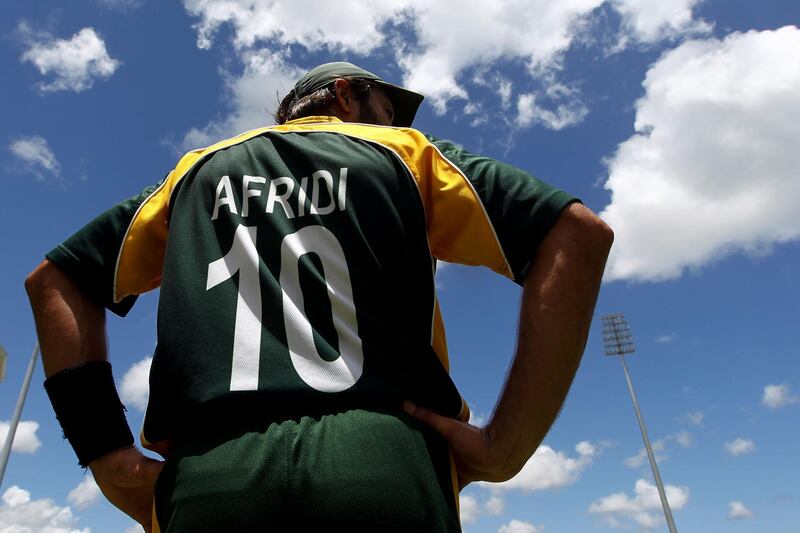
344 96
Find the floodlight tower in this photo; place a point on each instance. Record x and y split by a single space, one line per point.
618 340
12 429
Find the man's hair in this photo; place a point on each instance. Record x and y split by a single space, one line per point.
320 102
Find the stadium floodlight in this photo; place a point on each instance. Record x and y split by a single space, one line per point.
12 428
618 340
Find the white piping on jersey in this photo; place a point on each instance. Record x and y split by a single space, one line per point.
125 237
169 200
483 208
510 272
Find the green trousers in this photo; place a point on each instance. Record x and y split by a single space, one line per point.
358 470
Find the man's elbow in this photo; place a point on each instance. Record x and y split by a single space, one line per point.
34 280
45 275
588 229
602 234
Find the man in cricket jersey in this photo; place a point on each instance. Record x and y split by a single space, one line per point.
301 374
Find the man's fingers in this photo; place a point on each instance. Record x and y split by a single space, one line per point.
473 455
445 426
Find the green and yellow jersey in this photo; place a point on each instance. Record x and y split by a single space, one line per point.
296 266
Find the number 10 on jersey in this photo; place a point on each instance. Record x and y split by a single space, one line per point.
325 376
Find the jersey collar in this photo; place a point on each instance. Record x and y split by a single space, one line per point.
314 120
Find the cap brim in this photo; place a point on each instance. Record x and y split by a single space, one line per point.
405 103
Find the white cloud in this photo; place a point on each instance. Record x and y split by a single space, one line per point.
567 114
75 63
20 514
537 32
695 418
25 439
738 511
518 526
644 508
16 496
494 506
683 438
740 446
136 528
469 508
266 79
586 449
434 44
777 396
659 447
636 461
85 494
548 469
135 387
663 339
472 108
344 26
648 21
36 155
712 168
504 88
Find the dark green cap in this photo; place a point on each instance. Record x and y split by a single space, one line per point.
405 102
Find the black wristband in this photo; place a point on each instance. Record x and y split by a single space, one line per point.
89 410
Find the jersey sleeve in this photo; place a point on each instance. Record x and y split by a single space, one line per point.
485 212
90 256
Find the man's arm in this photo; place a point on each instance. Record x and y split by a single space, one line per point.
70 326
71 330
558 300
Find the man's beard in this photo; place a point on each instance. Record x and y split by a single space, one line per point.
368 115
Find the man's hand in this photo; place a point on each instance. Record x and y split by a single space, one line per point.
475 458
558 299
127 478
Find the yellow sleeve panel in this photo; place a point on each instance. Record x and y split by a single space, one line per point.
459 229
142 252
141 256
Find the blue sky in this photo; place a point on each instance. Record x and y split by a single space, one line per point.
677 120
